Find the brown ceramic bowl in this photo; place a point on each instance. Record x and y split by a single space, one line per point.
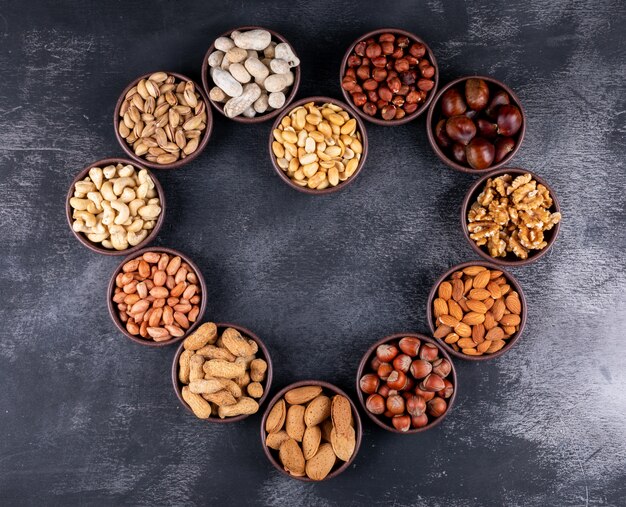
180 162
510 259
364 367
320 100
434 116
331 389
510 341
207 82
115 315
263 354
408 117
94 247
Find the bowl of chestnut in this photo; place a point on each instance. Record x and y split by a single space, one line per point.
389 75
475 123
406 383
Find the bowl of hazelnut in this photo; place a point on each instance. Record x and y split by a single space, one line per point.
406 383
390 76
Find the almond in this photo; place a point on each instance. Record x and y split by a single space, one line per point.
442 331
494 290
463 330
497 333
484 346
455 309
477 306
440 307
490 321
275 440
445 290
498 309
452 338
479 294
343 443
320 465
294 424
495 274
301 395
471 352
478 333
466 343
276 417
474 270
341 413
468 285
513 304
482 279
510 320
317 411
448 320
291 457
326 428
504 289
495 346
457 289
311 441
473 318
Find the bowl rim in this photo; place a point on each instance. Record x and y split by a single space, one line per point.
469 198
180 162
177 385
455 165
113 310
358 427
409 117
258 118
367 358
510 342
364 141
100 249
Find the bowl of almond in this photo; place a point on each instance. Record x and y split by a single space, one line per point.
476 310
511 217
311 431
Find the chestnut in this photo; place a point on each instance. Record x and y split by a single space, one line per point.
442 367
476 93
460 129
369 383
480 153
429 352
375 403
409 345
421 368
486 128
432 383
504 146
415 405
384 370
440 134
447 391
500 98
396 380
401 422
419 421
509 120
452 103
386 352
437 407
458 153
402 363
395 404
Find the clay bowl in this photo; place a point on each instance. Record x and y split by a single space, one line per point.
207 82
408 117
329 389
510 259
262 354
514 286
113 312
180 162
364 142
364 367
434 115
94 247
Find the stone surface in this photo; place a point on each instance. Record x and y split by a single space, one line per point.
88 417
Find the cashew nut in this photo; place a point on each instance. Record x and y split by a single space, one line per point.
152 193
118 237
96 198
79 204
151 211
123 213
107 191
134 238
126 171
109 172
121 183
136 226
135 205
142 190
86 217
95 173
128 194
84 187
97 237
108 217
107 244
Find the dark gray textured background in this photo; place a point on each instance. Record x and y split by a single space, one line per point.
88 417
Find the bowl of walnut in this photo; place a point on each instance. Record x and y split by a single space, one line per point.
511 217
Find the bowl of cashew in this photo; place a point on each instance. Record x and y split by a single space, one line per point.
115 206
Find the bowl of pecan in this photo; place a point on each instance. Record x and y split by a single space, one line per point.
511 217
390 76
476 310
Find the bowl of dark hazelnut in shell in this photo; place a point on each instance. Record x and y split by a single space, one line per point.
406 383
475 123
389 75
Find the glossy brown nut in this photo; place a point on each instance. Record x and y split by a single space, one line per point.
384 370
500 98
386 352
379 62
363 72
388 112
437 407
370 84
458 153
427 395
419 421
415 405
370 109
476 93
402 362
348 83
369 383
397 380
429 352
401 65
504 146
452 103
373 50
395 404
409 108
386 37
425 84
375 404
359 99
442 367
460 129
409 345
417 50
394 84
440 134
428 72
387 47
401 422
480 153
447 391
421 368
379 74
